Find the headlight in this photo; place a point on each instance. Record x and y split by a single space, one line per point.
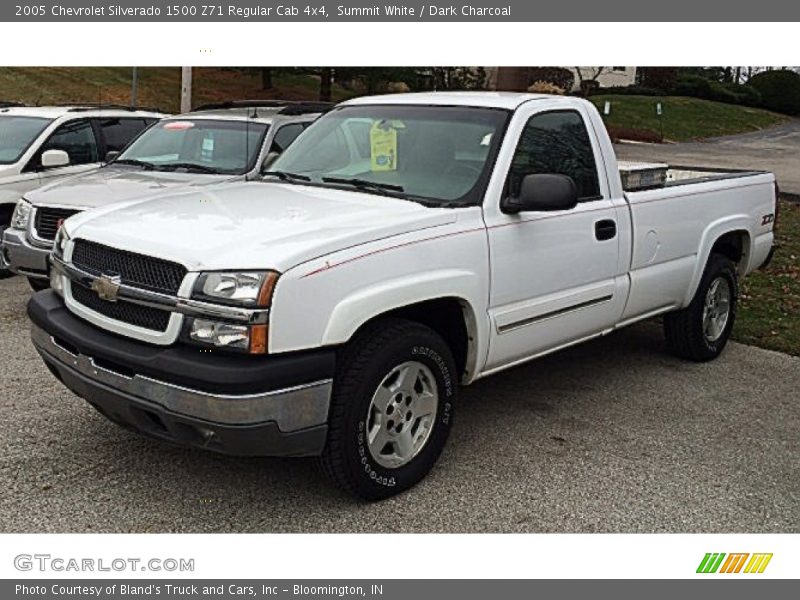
22 213
60 243
246 288
244 338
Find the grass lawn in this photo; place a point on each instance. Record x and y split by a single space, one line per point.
683 119
769 305
158 86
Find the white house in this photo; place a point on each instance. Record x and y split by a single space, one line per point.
608 76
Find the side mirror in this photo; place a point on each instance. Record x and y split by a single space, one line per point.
268 160
539 192
54 158
111 155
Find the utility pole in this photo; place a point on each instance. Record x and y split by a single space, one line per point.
186 89
134 86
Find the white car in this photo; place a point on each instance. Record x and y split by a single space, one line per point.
216 143
41 143
403 245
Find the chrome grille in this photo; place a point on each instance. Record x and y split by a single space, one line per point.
136 270
48 220
126 312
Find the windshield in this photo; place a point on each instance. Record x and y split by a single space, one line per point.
17 134
213 146
439 154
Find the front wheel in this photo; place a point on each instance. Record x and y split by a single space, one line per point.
700 331
5 272
37 285
391 410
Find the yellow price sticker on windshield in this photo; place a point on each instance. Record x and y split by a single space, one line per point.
383 147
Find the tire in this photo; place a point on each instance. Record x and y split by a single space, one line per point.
37 285
5 273
371 460
688 332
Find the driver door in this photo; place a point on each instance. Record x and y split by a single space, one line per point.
555 275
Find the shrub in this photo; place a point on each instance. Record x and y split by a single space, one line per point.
631 90
545 87
780 90
661 78
558 76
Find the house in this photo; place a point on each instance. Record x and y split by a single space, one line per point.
520 78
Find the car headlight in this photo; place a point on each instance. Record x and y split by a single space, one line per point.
244 288
22 214
60 243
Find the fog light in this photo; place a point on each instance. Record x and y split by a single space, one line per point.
219 334
57 282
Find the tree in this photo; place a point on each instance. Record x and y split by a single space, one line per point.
588 78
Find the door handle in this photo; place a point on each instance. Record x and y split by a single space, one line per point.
605 229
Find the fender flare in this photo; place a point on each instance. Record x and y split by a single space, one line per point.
712 233
356 309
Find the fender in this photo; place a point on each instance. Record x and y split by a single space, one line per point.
715 230
353 311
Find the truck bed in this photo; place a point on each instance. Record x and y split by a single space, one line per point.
637 176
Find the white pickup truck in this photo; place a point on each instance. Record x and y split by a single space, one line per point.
403 245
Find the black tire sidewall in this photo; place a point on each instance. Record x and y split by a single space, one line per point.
4 273
718 266
372 480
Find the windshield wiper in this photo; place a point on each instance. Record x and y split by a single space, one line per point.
286 176
134 162
188 166
387 189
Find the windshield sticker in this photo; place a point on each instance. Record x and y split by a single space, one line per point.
178 125
383 146
207 150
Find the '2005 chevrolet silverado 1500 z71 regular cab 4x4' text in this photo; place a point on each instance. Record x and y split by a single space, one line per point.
403 245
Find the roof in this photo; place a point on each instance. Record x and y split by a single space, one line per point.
263 114
507 100
54 112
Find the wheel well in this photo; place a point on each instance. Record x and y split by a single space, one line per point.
6 210
446 316
734 245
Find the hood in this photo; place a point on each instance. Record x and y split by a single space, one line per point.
115 184
253 225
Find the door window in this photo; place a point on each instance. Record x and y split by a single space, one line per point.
556 143
118 132
76 138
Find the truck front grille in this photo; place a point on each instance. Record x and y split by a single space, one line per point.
48 220
126 312
136 270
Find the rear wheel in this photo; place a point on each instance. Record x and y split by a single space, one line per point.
391 410
701 330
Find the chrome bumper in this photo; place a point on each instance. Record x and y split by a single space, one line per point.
291 409
24 258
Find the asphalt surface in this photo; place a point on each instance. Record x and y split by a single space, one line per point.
611 436
775 149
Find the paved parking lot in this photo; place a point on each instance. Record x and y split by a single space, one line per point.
773 149
612 436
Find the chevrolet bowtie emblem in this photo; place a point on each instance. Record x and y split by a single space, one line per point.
107 287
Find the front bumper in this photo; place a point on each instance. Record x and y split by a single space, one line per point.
245 406
22 257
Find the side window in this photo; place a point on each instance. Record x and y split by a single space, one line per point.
285 136
117 132
556 143
76 138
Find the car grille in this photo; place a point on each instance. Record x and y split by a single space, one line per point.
136 270
126 312
48 220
